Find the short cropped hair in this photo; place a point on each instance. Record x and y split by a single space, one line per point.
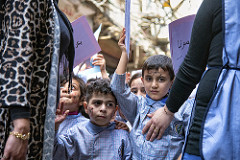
101 86
159 61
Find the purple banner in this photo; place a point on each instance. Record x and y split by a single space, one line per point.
179 36
86 44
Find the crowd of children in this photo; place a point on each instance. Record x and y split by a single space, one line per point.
85 125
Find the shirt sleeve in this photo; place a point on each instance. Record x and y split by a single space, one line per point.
63 146
127 101
127 155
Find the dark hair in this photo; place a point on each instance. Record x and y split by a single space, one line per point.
90 80
82 87
99 86
159 61
135 76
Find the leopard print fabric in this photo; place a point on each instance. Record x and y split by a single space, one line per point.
26 51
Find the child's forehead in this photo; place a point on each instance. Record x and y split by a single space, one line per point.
155 71
103 96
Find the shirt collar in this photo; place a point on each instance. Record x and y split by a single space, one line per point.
74 116
94 129
151 102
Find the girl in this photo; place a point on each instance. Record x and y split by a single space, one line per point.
73 102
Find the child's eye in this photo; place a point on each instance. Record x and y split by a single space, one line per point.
148 78
161 79
73 87
97 103
143 90
110 104
134 91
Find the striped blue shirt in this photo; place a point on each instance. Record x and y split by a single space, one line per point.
90 142
135 108
70 121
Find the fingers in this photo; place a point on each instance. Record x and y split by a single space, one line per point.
150 132
150 115
5 157
61 107
65 113
160 134
154 134
146 127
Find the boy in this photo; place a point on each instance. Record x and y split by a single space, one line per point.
96 138
157 77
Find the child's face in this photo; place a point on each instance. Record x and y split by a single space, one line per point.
137 87
71 100
101 108
156 83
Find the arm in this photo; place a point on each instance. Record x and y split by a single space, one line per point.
62 144
127 101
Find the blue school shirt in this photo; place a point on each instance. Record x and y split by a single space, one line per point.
70 121
136 108
91 142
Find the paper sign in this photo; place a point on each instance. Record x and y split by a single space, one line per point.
84 41
127 24
179 36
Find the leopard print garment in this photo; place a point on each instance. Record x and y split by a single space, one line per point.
26 51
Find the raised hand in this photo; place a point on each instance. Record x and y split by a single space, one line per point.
60 115
121 42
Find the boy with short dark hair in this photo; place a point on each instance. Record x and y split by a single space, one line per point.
96 138
157 77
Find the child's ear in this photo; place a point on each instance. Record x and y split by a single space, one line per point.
85 106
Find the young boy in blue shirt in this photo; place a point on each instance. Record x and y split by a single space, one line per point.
96 138
157 77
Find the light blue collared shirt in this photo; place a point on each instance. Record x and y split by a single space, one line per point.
70 121
135 108
90 142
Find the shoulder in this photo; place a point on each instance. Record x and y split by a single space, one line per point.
77 128
120 133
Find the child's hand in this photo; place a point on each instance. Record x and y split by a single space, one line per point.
121 125
121 42
60 115
99 61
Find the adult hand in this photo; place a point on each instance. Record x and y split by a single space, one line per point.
16 148
160 120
